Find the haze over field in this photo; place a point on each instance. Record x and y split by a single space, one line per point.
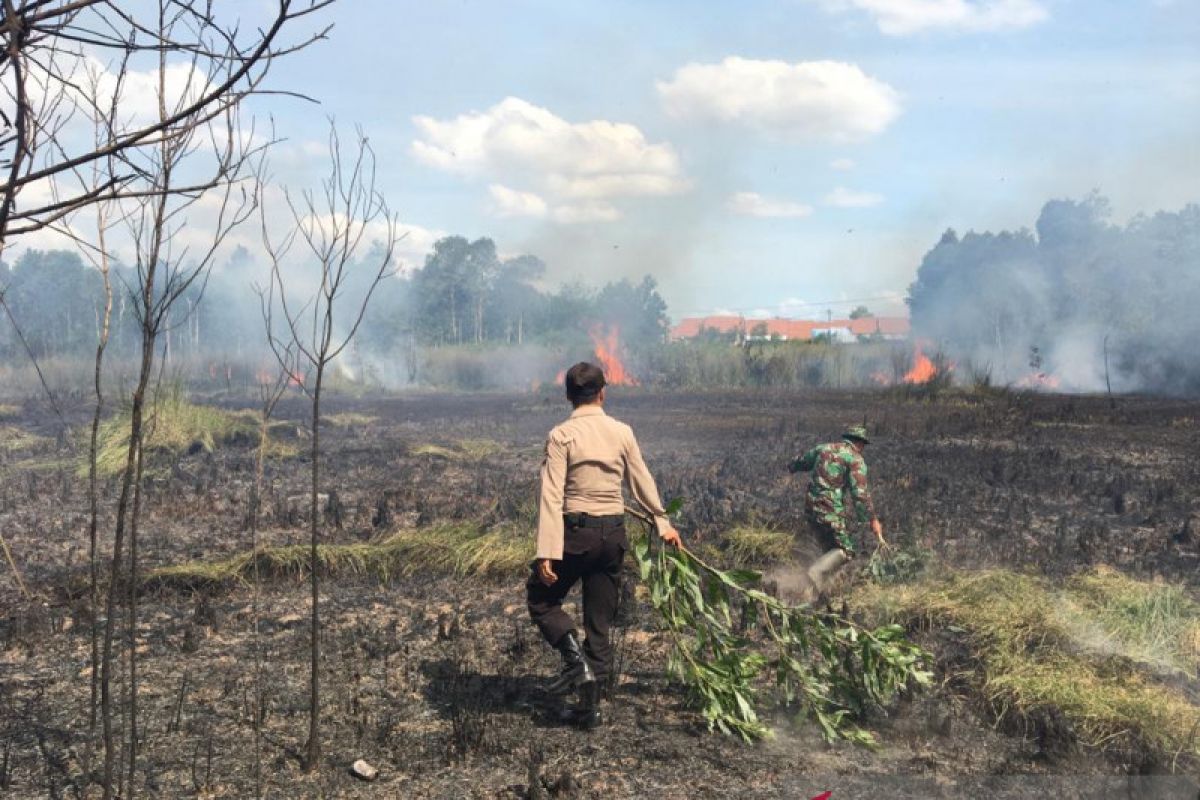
791 159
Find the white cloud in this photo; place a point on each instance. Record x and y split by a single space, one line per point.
508 202
905 17
89 84
841 197
414 244
842 164
518 144
828 100
755 205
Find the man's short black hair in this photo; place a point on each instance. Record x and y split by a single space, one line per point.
584 381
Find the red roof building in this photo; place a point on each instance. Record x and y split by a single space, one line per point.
790 329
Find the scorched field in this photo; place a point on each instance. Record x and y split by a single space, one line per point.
1046 550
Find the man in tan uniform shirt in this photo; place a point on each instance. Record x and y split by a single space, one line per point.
581 534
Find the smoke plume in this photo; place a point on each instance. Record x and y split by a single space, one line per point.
1077 304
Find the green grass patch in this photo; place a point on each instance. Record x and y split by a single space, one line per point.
458 549
1082 648
755 544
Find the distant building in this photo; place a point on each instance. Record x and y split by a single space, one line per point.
841 334
802 330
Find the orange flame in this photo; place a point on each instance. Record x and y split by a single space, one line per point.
266 377
923 370
607 344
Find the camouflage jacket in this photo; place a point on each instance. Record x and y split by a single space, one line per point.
839 476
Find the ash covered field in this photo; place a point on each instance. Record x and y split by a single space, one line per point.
434 674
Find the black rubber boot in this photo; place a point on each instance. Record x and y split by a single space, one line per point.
575 672
585 714
588 716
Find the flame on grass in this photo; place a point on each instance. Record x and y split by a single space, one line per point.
606 342
606 349
923 369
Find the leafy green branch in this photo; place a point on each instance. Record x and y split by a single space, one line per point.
821 664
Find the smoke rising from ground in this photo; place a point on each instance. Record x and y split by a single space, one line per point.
1043 307
468 319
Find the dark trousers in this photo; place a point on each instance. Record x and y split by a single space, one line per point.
593 549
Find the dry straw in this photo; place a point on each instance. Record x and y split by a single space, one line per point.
1096 649
460 549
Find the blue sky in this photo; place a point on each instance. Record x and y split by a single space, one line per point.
753 156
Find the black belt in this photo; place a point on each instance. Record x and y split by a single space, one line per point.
582 519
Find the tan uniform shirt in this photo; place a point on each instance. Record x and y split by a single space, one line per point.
588 457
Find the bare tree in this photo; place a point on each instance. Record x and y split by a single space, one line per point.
270 392
327 228
168 265
49 44
100 257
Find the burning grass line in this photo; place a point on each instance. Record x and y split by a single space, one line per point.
1037 646
457 549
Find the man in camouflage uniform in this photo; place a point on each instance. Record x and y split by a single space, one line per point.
839 482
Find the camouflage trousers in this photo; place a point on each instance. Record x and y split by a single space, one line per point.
830 530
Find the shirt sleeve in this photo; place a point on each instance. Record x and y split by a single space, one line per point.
550 505
857 480
641 483
806 462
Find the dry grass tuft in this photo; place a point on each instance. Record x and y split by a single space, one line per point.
349 419
754 544
1026 636
459 549
8 411
174 425
14 439
1152 623
435 450
463 450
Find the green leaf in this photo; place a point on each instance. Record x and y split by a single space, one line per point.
823 664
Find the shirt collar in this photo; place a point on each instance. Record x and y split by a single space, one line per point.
589 410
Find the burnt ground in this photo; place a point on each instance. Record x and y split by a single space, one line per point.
436 681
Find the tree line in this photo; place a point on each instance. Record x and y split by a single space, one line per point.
465 294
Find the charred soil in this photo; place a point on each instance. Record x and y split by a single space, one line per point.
436 679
